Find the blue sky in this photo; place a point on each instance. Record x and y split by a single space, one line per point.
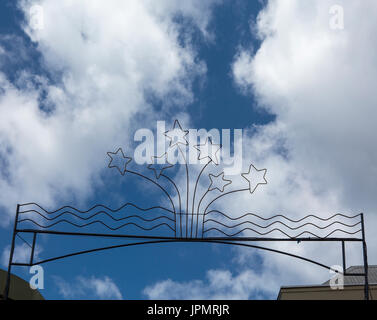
85 82
214 107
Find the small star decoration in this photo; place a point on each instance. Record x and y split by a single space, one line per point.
255 177
119 161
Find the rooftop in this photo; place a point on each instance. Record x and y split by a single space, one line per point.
358 280
353 288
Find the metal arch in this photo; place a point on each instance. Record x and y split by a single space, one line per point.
173 221
237 241
174 241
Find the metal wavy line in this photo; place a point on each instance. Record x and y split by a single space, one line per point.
97 221
276 229
97 205
97 213
292 228
279 215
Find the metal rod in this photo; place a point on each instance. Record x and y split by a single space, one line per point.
32 248
103 248
344 256
354 274
239 241
21 264
185 240
276 251
179 199
182 238
7 284
365 256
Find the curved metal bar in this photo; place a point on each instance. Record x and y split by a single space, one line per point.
176 188
101 249
276 251
179 199
200 201
187 188
222 195
162 188
185 240
204 215
194 194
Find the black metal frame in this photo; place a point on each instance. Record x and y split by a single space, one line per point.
176 218
228 240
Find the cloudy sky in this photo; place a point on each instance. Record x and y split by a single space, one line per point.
79 78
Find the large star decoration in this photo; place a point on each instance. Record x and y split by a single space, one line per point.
177 135
255 177
158 168
218 182
119 161
208 150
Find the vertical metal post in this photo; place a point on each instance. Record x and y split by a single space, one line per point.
32 248
7 284
365 256
344 256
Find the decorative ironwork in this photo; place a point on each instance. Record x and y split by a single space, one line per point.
177 222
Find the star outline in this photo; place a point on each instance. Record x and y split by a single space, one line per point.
257 170
129 159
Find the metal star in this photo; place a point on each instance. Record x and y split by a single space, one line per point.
159 167
120 161
177 135
254 177
206 150
218 182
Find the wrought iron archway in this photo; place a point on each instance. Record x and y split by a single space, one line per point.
159 224
228 240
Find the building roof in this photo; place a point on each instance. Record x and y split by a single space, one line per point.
348 280
354 286
358 280
19 288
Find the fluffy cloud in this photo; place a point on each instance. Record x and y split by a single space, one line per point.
219 285
21 254
104 65
89 288
320 152
100 63
319 83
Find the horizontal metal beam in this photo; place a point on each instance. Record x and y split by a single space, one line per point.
21 264
183 239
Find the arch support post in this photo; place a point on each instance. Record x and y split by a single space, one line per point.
7 284
365 257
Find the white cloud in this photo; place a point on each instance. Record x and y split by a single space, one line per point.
219 285
106 59
320 153
199 12
89 288
21 254
320 85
